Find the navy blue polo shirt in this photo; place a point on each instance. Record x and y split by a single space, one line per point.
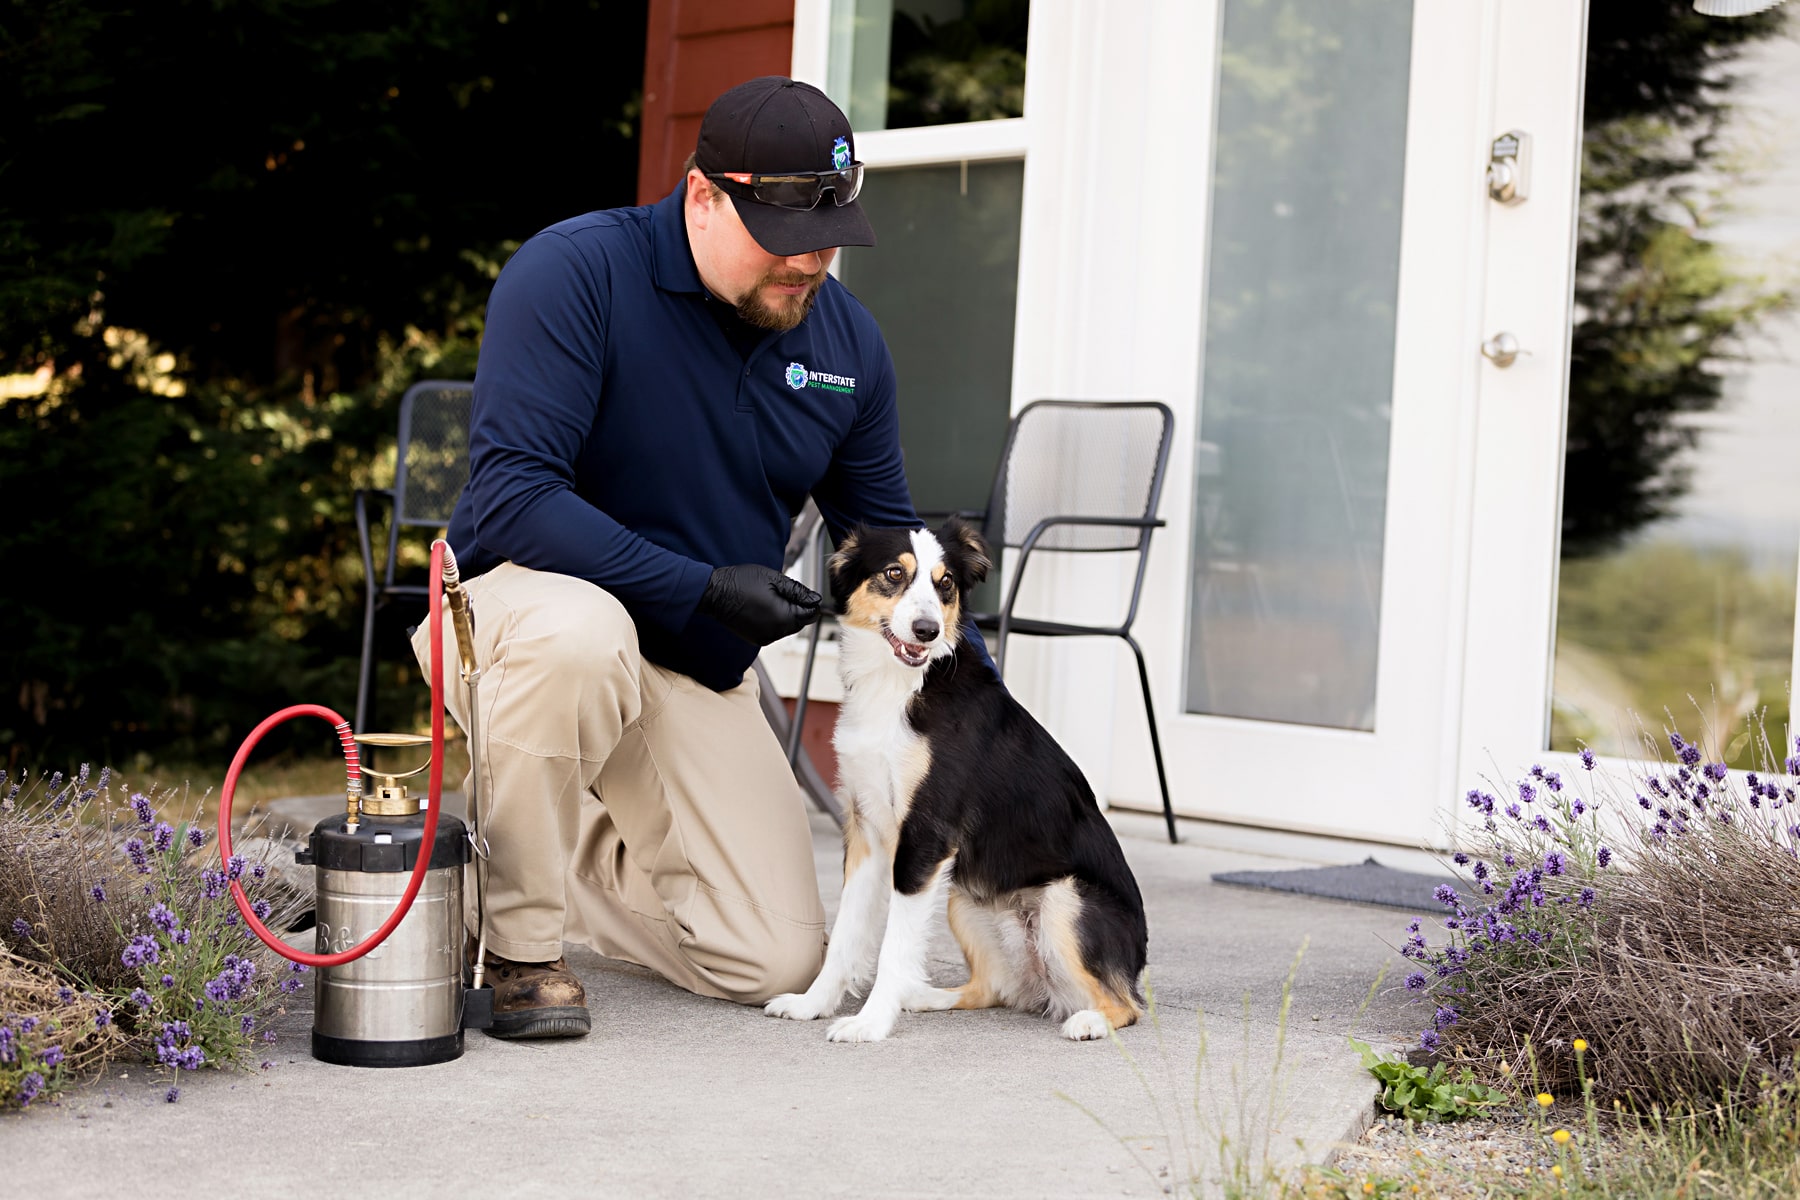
618 435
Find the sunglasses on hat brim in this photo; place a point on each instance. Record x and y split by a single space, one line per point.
799 190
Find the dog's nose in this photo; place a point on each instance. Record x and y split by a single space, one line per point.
924 630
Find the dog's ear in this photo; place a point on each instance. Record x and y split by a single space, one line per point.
966 543
838 567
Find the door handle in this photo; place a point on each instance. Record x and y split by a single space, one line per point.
1502 349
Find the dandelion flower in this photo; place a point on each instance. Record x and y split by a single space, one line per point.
1580 1044
1560 1137
1545 1099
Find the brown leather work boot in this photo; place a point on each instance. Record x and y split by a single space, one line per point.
535 1000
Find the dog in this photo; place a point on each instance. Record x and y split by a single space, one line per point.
949 784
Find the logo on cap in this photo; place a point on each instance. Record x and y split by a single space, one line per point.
796 375
840 154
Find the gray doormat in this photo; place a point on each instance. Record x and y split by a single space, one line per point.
1366 882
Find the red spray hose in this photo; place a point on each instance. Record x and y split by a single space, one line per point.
346 739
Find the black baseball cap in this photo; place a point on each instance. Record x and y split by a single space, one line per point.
774 125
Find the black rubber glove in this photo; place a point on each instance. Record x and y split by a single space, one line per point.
758 604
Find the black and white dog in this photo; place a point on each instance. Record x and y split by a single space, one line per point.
948 781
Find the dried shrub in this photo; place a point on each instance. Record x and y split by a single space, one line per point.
50 1034
136 911
1675 954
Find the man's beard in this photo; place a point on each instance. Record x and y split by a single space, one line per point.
754 310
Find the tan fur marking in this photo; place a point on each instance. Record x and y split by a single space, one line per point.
867 607
910 562
978 992
1059 921
856 844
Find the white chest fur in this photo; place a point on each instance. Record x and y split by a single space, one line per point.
881 759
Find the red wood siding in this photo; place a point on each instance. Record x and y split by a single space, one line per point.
693 50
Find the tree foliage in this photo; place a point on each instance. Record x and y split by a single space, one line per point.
1659 308
231 233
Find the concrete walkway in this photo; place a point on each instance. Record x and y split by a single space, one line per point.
678 1096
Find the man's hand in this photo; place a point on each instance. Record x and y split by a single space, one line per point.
758 604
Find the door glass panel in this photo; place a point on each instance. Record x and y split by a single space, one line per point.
1296 389
901 63
943 282
1681 501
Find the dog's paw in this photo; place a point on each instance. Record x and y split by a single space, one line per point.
1086 1026
863 1027
931 999
798 1006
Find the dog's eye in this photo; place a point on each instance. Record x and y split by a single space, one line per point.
896 575
945 585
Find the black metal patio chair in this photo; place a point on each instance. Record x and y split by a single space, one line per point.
431 467
1081 477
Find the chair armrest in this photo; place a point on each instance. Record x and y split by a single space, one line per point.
1038 530
976 515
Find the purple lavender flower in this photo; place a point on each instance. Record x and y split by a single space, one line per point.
172 1095
140 804
1509 861
98 892
1603 856
247 1023
291 984
234 867
140 857
1553 781
1577 807
1480 870
1446 1017
1429 1041
65 995
1446 895
1459 858
1587 760
28 1024
29 1087
163 837
257 871
182 937
212 884
142 951
1587 897
1714 772
262 909
1541 823
103 1018
1555 863
196 836
1513 811
1474 798
21 929
1415 982
1690 755
51 1055
163 917
1527 793
168 981
140 997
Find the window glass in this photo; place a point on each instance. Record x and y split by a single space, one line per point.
1681 505
1296 390
901 63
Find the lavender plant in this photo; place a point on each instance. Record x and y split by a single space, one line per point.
1672 953
49 1033
135 910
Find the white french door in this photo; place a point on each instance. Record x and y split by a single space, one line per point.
1340 572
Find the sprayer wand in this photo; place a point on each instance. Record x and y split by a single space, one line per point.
462 619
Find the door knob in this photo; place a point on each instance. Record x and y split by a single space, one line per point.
1502 349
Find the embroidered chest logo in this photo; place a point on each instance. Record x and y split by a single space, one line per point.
799 378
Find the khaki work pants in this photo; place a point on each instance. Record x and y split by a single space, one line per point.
627 807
